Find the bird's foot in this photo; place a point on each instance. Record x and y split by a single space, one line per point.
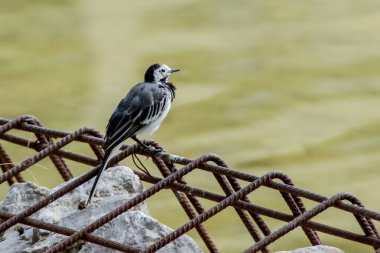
82 205
152 150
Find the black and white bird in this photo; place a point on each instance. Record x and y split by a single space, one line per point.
140 112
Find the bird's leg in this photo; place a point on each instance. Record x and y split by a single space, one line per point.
149 148
141 166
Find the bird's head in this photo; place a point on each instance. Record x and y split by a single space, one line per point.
159 73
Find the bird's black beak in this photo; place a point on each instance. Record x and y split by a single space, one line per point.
174 70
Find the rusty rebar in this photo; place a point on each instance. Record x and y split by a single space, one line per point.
184 202
209 167
274 185
43 142
68 231
255 216
132 202
297 207
236 196
228 190
61 152
9 124
268 212
213 211
43 153
299 220
5 163
59 193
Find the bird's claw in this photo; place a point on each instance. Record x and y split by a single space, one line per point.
82 205
153 150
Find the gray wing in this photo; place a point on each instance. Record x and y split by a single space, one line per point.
143 104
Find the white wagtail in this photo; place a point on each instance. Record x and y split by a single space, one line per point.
140 112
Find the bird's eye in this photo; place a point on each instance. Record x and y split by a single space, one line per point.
162 70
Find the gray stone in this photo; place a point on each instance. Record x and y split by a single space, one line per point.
21 196
119 184
315 249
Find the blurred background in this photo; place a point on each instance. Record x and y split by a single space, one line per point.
266 85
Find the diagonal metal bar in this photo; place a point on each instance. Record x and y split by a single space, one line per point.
243 215
268 212
6 163
59 193
44 153
43 141
213 211
274 185
209 167
9 124
61 152
256 217
299 220
132 202
68 231
184 202
297 207
291 194
59 163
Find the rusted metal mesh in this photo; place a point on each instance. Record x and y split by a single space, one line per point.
52 144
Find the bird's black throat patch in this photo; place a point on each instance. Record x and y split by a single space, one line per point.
172 89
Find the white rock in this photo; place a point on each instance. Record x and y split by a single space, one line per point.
21 196
315 249
117 185
134 229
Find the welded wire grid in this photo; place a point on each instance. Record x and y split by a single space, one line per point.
52 144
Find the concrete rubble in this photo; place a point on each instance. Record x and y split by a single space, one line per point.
117 185
314 249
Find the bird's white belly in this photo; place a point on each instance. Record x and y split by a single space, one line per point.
153 126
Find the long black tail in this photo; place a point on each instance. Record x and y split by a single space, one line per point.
107 157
